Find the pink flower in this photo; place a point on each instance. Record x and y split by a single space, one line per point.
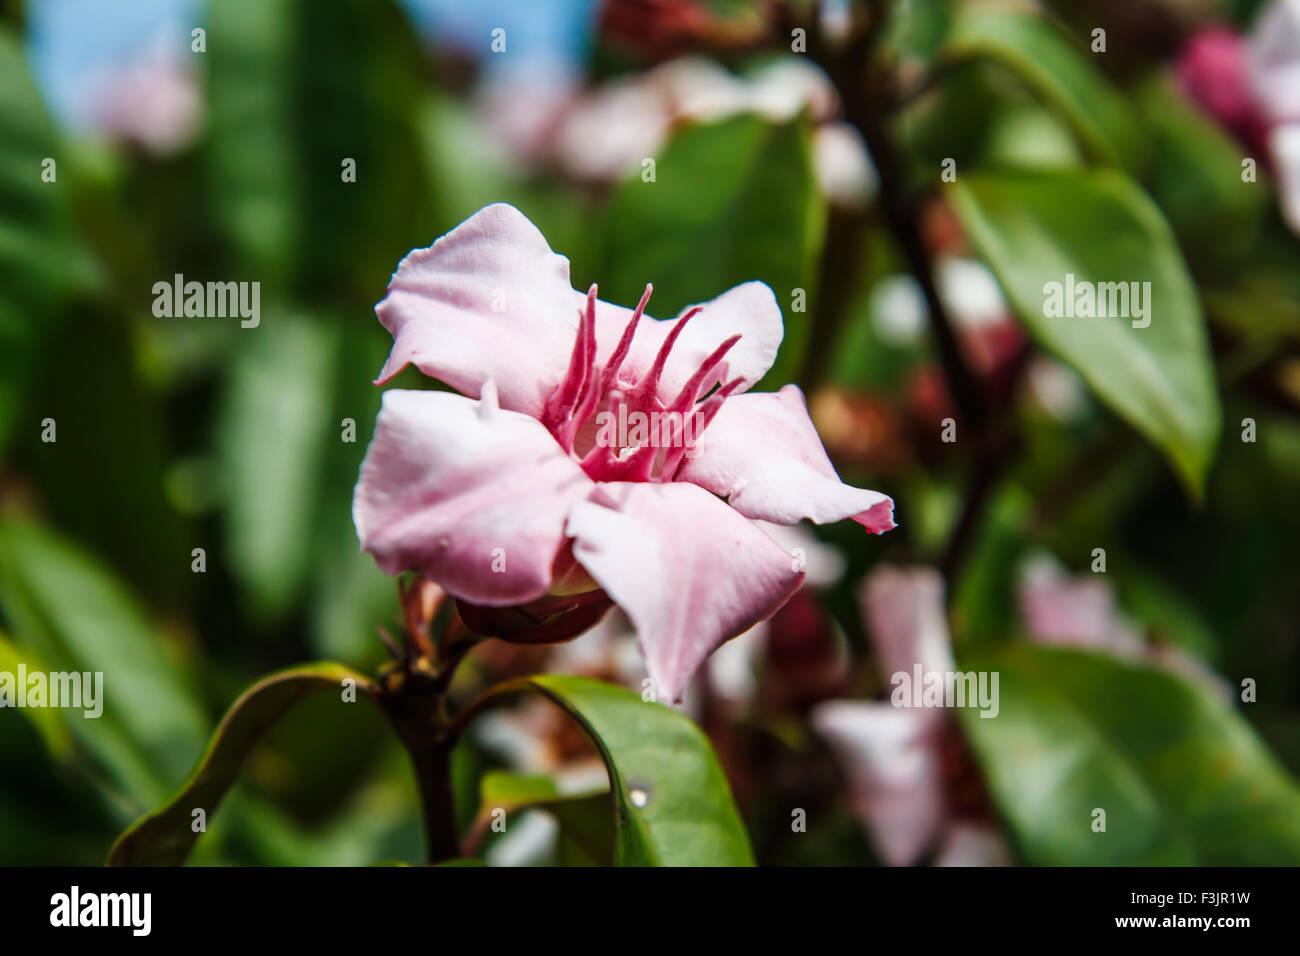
1075 611
1214 69
1252 87
912 781
528 491
1275 70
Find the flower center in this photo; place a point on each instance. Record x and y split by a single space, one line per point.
625 431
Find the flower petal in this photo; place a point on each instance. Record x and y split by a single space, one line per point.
763 453
893 773
904 612
489 300
1284 143
466 493
1275 61
748 310
690 572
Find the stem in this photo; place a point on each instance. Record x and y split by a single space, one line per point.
903 213
433 775
415 702
870 95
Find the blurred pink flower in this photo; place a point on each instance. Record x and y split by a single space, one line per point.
913 784
1214 70
1252 87
524 493
1057 607
1275 70
1060 608
607 132
153 102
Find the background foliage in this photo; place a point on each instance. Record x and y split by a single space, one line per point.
176 434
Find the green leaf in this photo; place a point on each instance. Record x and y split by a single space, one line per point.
1181 776
731 202
78 617
272 430
44 719
37 251
1195 176
295 88
1097 225
165 836
1057 72
586 835
671 801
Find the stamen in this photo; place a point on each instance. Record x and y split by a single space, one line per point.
650 384
700 419
558 414
625 342
690 391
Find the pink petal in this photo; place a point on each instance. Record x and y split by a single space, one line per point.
1284 143
1275 60
748 310
905 616
489 300
893 773
690 572
468 494
763 454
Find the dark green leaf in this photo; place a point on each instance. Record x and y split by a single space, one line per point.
165 836
1055 70
1180 775
78 617
586 835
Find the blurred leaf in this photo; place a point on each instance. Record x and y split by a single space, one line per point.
45 719
731 202
295 88
1029 136
164 837
1056 71
1181 776
672 803
1166 614
586 830
350 595
586 835
1036 228
984 598
1195 176
37 252
111 426
511 791
78 617
273 426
